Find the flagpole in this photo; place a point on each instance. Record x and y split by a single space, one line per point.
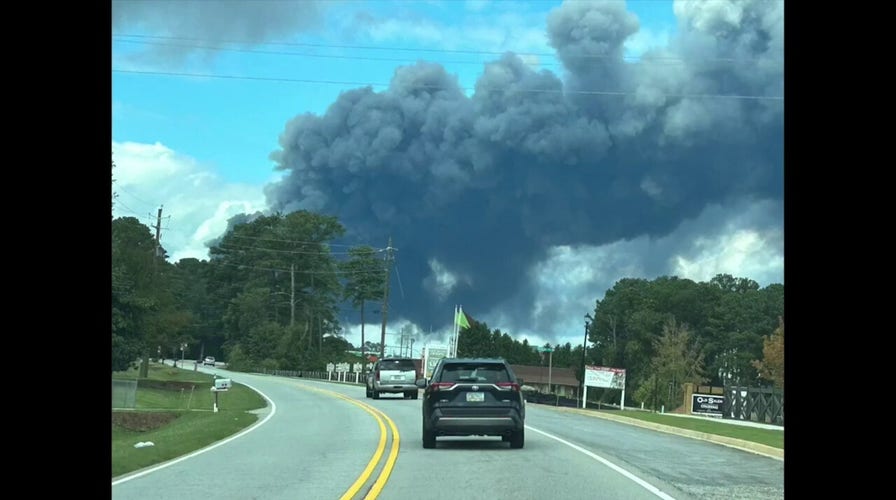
460 310
453 334
456 331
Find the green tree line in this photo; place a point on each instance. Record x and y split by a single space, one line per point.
668 331
665 332
267 297
270 292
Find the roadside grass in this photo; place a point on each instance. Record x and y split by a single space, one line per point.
181 433
174 411
769 437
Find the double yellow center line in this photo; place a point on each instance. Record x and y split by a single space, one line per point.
382 419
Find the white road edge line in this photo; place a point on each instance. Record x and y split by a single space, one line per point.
211 447
649 487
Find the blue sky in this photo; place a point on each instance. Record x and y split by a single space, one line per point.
232 125
200 145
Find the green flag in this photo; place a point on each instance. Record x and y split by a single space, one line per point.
463 320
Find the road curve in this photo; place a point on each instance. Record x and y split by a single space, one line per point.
571 456
317 444
326 441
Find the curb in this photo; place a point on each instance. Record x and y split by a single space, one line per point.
759 449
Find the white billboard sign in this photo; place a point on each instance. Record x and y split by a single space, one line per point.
432 355
609 378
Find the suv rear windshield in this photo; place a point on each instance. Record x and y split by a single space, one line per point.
474 372
397 364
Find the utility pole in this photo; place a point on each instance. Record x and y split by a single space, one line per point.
144 366
310 319
584 348
386 298
292 294
550 366
158 231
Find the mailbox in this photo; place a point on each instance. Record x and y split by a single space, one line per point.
222 384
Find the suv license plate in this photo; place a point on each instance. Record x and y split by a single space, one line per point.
475 396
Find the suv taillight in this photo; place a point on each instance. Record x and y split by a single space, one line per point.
435 386
377 375
509 385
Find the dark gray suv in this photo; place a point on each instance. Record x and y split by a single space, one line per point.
473 397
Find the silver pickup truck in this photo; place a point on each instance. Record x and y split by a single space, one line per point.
393 375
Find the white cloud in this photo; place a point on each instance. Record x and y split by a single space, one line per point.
744 240
476 5
395 29
710 16
196 203
744 253
644 40
394 329
651 187
479 31
441 280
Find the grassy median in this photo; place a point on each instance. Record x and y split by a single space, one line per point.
174 410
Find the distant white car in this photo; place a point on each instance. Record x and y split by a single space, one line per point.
209 360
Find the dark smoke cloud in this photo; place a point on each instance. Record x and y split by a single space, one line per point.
487 184
251 23
233 222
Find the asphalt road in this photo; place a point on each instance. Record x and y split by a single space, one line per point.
320 440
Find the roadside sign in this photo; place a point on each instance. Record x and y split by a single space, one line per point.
707 404
431 356
601 376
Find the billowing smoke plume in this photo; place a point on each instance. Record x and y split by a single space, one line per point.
474 190
233 222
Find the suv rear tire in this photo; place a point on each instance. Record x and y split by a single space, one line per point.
429 438
518 438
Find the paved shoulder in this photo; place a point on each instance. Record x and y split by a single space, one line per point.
761 449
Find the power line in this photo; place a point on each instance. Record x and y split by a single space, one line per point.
302 242
302 252
144 218
123 37
136 197
398 275
129 209
278 240
437 87
286 270
319 56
